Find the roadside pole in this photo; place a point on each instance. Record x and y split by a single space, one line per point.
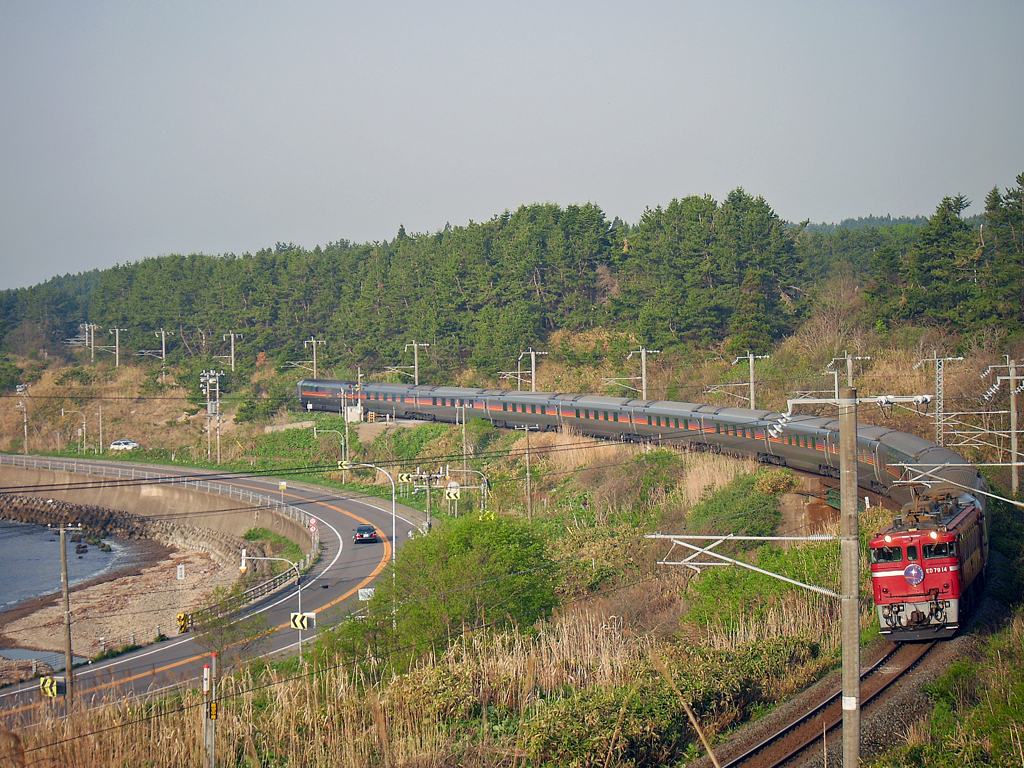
210 712
69 685
849 543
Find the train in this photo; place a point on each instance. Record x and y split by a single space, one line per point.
928 567
942 497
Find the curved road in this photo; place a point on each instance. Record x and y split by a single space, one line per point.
329 589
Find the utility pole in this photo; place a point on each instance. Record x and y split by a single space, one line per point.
643 367
24 408
211 381
751 357
533 366
232 335
68 675
163 341
940 392
90 330
1014 447
529 488
117 345
99 446
313 342
415 359
849 554
210 706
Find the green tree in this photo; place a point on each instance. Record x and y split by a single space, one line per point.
219 629
466 573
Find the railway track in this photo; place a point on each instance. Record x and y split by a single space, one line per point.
826 714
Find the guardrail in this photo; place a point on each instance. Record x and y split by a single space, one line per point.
205 486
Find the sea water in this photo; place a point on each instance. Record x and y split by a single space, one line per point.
30 563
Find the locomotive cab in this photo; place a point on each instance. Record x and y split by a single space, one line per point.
925 566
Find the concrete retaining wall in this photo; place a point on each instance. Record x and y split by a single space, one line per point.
166 506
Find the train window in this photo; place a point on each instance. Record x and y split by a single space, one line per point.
686 423
718 429
577 412
887 555
942 549
504 406
912 553
675 423
533 409
433 401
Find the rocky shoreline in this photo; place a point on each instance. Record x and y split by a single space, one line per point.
130 606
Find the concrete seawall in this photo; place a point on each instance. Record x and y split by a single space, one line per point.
172 513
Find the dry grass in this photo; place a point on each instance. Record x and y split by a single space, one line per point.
333 718
568 450
814 617
707 472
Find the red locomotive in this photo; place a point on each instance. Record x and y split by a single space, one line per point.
928 567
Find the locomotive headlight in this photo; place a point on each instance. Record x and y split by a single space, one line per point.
934 535
945 587
888 539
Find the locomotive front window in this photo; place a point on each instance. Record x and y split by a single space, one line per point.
912 553
942 549
887 555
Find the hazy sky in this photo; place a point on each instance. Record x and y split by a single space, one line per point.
136 129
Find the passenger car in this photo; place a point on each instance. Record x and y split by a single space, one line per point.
365 533
124 445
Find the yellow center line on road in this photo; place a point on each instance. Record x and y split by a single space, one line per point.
153 672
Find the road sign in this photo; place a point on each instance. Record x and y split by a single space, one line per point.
405 477
282 486
181 573
182 623
312 525
52 687
300 621
365 594
212 711
452 491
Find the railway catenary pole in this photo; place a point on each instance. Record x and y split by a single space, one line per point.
940 392
313 342
643 367
416 359
849 553
533 366
1014 444
751 357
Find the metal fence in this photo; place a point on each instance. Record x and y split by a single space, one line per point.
244 495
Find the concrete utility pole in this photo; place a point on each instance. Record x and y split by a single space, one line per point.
849 554
314 343
68 663
211 388
210 706
1014 448
117 345
940 392
232 335
415 359
643 367
23 407
533 366
163 341
90 332
529 487
751 357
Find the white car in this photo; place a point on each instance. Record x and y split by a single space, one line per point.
124 445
